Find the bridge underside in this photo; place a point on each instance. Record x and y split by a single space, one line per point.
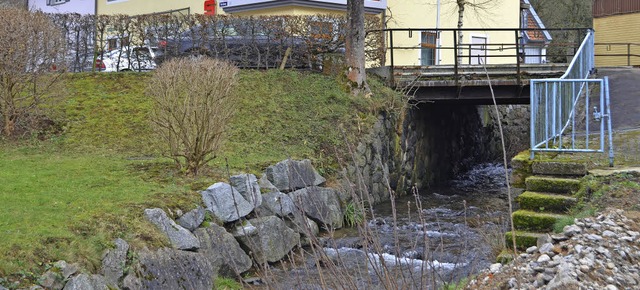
473 94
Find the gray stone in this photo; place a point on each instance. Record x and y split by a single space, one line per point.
271 241
495 268
171 269
247 185
223 251
547 249
544 258
55 277
532 249
320 204
278 203
113 262
179 237
571 230
192 219
265 185
87 282
225 202
290 175
564 280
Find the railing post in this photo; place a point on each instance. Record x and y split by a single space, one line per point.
455 58
392 77
518 58
628 54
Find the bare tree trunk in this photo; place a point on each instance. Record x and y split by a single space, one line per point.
461 4
354 47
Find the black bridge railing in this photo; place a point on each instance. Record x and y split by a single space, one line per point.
617 53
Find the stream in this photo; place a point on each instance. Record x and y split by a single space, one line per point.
419 241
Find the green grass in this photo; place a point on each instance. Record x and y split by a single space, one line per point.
70 196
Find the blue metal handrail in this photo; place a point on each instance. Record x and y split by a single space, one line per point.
557 110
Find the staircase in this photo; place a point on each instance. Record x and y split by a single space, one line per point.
547 198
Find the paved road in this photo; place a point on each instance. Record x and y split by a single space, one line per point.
624 90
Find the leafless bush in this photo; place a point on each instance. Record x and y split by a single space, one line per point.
31 61
193 103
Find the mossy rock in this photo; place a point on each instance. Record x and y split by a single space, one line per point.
559 168
533 221
545 202
524 240
551 184
521 169
506 256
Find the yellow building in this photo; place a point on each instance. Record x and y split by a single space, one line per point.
295 7
617 32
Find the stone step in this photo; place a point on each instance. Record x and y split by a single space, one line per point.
525 220
545 202
565 168
523 239
552 184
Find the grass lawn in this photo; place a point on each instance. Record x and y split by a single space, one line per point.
68 197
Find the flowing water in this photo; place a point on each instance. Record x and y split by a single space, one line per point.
418 241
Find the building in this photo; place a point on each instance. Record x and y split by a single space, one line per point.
617 32
129 7
296 7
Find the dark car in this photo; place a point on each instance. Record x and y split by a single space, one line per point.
246 46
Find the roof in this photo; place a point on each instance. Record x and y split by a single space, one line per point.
532 20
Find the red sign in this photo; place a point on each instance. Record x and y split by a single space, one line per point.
209 7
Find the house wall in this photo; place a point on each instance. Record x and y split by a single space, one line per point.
73 6
422 14
289 10
617 29
137 7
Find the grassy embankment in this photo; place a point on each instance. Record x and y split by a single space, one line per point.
69 196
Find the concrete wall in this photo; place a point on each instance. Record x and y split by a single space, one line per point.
622 28
423 14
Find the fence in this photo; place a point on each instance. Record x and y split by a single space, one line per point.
560 108
255 42
615 54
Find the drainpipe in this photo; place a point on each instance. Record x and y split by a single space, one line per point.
438 33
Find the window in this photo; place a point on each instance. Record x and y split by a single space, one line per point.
56 2
428 48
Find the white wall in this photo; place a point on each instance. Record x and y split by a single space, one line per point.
73 6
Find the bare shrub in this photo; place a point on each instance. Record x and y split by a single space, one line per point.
31 62
193 102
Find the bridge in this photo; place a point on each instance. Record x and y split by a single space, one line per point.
461 73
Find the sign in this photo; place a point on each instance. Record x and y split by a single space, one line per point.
223 4
209 7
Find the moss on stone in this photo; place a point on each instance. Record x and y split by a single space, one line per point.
521 169
533 221
506 256
559 168
550 184
523 239
545 202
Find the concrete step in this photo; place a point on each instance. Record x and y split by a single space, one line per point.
559 168
526 220
523 239
545 202
552 184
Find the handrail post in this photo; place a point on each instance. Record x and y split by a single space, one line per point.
628 54
392 77
455 57
519 80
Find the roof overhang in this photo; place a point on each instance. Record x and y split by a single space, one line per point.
234 6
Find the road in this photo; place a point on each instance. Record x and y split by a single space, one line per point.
624 90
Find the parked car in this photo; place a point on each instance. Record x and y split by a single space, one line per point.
139 58
247 47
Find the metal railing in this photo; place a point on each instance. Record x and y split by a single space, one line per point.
404 46
616 53
560 108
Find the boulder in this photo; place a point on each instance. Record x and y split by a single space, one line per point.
304 226
55 277
278 203
266 185
179 237
247 185
113 262
225 202
87 282
223 251
171 269
271 241
320 204
290 175
192 219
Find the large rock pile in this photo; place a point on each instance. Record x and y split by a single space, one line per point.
261 219
594 253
